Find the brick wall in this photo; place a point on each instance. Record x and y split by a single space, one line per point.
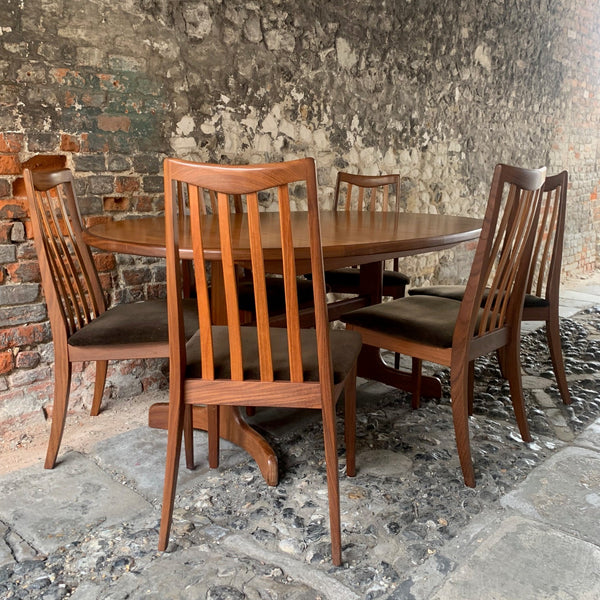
439 92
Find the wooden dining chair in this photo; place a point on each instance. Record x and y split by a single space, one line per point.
542 292
83 329
367 192
258 365
454 333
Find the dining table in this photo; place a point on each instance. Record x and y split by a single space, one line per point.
349 238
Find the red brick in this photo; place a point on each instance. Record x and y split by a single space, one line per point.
105 261
91 221
9 164
6 362
11 142
24 272
27 360
26 335
144 204
5 229
116 203
69 143
127 184
18 188
13 208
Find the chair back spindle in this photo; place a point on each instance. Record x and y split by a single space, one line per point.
70 280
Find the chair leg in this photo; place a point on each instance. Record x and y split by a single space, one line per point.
175 431
553 335
213 415
471 385
459 383
350 422
101 369
62 384
512 365
501 354
417 375
188 436
333 484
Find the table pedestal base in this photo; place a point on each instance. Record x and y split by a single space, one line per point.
371 366
232 428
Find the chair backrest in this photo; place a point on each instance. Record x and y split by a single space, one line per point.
544 277
367 192
504 252
69 278
243 240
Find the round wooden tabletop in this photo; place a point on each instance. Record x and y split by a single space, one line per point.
359 236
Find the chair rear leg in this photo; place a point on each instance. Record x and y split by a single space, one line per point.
417 375
62 384
188 436
350 422
101 369
175 430
512 365
554 344
471 386
333 484
459 384
214 425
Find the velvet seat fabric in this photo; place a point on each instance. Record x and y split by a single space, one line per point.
350 277
345 347
456 292
134 323
425 319
275 294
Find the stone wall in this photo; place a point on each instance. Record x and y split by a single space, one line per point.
439 92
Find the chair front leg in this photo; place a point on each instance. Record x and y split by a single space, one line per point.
333 484
512 366
350 422
554 344
175 431
62 385
459 391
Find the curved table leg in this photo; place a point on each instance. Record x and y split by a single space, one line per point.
232 428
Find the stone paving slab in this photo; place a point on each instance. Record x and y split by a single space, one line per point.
526 559
563 491
238 570
64 503
590 438
139 456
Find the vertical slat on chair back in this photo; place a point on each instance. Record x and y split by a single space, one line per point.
367 192
69 276
503 255
544 277
247 181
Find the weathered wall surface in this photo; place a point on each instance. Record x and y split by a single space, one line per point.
438 91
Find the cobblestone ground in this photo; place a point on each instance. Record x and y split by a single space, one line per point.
236 538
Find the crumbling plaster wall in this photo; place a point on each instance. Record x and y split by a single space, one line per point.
438 91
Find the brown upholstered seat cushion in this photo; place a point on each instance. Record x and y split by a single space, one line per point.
456 292
134 323
275 294
350 277
424 319
345 347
